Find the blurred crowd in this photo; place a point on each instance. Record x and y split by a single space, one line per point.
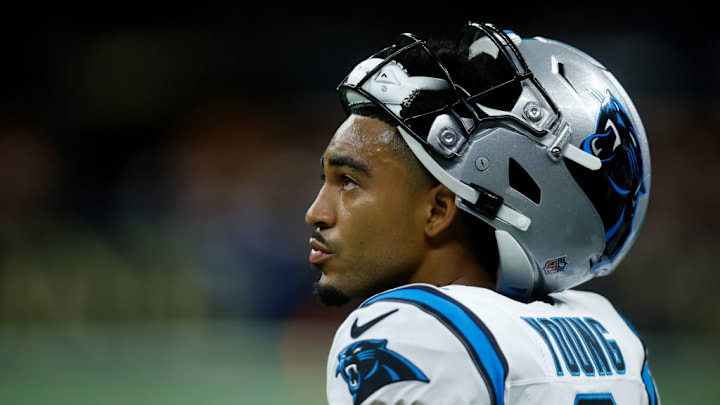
162 171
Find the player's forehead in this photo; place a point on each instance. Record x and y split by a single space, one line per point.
363 138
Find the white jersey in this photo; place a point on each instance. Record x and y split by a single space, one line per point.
420 344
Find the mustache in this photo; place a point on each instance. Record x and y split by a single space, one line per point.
319 237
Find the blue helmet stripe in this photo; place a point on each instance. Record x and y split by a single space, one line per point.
465 325
617 188
615 227
633 162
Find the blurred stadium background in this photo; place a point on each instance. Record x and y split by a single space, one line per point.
156 164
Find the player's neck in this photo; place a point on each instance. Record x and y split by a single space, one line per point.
452 263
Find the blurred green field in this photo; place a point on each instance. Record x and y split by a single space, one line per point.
238 362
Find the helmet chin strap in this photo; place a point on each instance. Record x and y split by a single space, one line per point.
462 190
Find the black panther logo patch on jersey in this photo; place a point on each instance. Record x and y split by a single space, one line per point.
367 365
614 188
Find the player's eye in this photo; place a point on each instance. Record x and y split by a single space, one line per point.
347 182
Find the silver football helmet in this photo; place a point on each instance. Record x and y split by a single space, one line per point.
546 147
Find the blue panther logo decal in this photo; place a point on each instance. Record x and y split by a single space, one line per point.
614 188
367 365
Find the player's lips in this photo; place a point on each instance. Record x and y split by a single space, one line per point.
318 251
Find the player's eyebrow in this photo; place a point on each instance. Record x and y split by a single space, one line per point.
347 161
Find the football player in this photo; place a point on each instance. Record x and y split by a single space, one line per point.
472 185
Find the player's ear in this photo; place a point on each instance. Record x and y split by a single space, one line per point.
442 210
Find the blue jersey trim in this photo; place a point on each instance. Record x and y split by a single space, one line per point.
594 397
629 325
649 384
481 344
646 376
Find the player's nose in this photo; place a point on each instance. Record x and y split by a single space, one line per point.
321 213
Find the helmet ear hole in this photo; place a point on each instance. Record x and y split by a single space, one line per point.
522 182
